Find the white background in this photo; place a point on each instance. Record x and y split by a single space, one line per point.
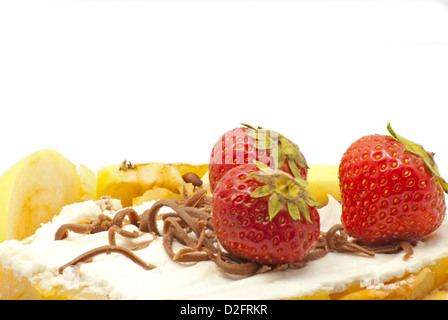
104 81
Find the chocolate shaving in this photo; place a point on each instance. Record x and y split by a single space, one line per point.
89 255
406 246
340 243
195 199
316 254
186 255
116 229
191 225
231 267
408 249
63 230
121 215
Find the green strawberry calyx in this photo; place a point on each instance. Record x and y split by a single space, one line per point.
418 150
282 149
284 190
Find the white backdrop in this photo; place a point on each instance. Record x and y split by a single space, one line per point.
104 81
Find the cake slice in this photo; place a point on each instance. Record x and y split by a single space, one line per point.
281 231
56 262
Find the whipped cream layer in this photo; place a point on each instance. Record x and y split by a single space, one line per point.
39 257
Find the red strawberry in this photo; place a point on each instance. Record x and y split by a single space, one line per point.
265 215
391 190
247 144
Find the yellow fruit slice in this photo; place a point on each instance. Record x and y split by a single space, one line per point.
323 180
34 190
156 194
127 181
88 183
199 169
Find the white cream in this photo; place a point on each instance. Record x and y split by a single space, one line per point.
40 257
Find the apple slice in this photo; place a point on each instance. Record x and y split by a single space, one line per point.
35 189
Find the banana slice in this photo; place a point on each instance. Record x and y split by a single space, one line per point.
136 183
323 180
35 189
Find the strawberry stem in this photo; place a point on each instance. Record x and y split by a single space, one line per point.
284 191
281 148
419 151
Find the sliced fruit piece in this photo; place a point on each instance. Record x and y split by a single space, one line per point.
34 190
323 180
156 194
88 183
199 169
128 181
